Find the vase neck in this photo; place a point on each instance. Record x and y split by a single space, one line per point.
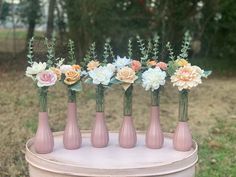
155 113
43 119
71 96
183 105
43 92
128 95
100 90
155 97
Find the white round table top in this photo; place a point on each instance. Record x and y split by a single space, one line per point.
90 160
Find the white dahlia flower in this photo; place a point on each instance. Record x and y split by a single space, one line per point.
122 62
35 68
153 78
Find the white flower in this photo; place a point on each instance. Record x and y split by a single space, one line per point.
60 61
122 62
111 67
65 68
35 69
187 77
101 75
153 78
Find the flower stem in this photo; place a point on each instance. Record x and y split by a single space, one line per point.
155 97
183 106
128 101
100 98
71 96
42 92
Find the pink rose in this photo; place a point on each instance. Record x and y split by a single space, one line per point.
136 65
162 65
46 78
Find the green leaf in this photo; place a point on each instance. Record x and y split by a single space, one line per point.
172 67
206 73
89 80
115 81
76 87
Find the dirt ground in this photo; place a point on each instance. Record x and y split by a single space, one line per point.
213 101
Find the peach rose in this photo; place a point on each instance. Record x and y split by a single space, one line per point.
57 72
92 65
76 67
162 65
72 77
136 65
151 62
127 76
181 62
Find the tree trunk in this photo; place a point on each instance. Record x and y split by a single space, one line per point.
50 21
30 31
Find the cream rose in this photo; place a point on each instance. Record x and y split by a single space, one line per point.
72 77
127 76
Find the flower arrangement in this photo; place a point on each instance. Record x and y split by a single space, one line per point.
184 76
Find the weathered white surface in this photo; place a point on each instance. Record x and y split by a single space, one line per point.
113 160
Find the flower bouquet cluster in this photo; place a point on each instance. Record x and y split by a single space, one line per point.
44 75
184 76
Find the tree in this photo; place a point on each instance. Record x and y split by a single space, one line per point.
50 21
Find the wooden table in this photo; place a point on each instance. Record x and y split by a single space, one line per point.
112 160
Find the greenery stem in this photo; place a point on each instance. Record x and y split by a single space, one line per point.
128 95
155 97
42 92
100 98
183 105
71 96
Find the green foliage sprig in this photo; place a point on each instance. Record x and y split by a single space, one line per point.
91 54
155 50
30 54
130 48
170 50
149 46
71 52
185 46
50 51
142 49
107 51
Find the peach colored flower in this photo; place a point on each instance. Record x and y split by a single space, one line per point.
162 65
151 62
57 72
136 65
92 65
181 62
127 76
187 77
46 78
72 77
76 67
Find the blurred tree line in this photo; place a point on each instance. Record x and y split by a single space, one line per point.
212 22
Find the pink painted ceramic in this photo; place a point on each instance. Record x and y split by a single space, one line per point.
182 140
99 135
43 141
127 134
72 136
154 134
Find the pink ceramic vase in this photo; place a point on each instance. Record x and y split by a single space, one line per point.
99 135
43 141
182 139
72 136
154 135
127 134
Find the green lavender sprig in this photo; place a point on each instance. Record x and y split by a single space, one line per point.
185 45
130 48
71 51
155 50
30 54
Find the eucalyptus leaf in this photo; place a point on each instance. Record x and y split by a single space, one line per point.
115 81
76 87
89 80
206 73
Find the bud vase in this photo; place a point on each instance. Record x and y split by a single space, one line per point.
99 135
182 139
43 141
127 134
154 134
72 136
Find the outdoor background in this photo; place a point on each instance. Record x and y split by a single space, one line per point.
212 106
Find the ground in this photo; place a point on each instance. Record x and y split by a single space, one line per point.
212 118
